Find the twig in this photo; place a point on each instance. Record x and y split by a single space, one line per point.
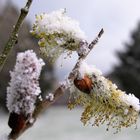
14 35
42 105
82 57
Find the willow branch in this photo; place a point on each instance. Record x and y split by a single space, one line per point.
72 75
14 35
62 88
43 105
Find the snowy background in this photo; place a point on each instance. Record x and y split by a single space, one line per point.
67 126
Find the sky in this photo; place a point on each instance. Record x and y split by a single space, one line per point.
118 18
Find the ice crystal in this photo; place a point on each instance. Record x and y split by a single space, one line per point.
50 97
57 33
105 103
24 86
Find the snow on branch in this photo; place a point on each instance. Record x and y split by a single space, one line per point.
23 89
102 101
24 86
57 33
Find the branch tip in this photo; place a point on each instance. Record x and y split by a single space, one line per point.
101 33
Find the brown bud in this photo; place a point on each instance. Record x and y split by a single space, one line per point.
84 85
16 122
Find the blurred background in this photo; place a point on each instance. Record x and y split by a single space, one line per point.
117 55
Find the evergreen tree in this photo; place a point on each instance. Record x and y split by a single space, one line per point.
127 73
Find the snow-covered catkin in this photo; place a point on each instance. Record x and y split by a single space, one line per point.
24 86
103 101
57 33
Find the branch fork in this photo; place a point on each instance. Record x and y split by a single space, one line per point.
51 98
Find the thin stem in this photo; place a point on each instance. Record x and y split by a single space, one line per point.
82 57
14 35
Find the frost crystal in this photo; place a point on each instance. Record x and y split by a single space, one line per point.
50 97
87 70
105 102
57 33
24 86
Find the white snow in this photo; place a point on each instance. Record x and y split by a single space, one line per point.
104 87
58 22
24 86
87 69
130 99
50 97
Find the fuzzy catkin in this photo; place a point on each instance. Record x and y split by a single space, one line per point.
105 103
24 86
57 33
